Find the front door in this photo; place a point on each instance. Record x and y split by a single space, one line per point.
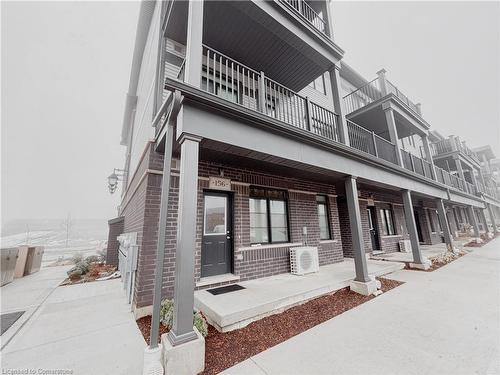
216 250
372 224
419 227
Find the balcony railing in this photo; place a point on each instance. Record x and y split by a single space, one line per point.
369 142
416 164
374 90
235 82
305 10
453 144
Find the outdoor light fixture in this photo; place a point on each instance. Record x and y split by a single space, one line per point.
113 179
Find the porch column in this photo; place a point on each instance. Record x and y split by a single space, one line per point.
393 132
338 103
363 283
483 218
194 50
428 155
182 327
492 218
472 217
460 170
448 239
418 261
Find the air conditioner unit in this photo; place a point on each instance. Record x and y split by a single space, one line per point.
405 246
304 260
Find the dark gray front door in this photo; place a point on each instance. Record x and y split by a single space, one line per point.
372 223
216 250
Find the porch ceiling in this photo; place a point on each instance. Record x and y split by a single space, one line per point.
246 33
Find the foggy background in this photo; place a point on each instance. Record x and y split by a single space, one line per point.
66 66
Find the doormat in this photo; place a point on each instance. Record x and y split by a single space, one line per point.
225 289
7 320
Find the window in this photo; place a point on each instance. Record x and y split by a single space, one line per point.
319 84
431 222
387 222
324 222
268 216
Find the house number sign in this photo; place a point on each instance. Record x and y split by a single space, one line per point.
218 183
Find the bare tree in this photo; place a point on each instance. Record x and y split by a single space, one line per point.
67 224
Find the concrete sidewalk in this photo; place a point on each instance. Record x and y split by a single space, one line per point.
441 322
26 294
87 328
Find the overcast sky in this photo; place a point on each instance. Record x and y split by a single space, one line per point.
66 65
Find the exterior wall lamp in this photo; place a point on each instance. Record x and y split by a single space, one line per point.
113 178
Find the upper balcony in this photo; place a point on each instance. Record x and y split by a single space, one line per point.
452 147
266 35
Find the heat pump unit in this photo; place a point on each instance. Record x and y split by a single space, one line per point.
405 246
304 260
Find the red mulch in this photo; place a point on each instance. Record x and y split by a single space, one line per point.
223 350
96 270
485 241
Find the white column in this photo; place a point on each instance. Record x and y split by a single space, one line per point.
460 170
194 49
393 131
338 103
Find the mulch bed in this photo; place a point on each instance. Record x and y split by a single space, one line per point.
436 263
485 241
223 350
96 270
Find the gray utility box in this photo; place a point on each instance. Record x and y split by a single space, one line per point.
33 260
8 264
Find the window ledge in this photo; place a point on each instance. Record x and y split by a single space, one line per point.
270 246
328 241
392 236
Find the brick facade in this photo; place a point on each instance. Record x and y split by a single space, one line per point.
115 229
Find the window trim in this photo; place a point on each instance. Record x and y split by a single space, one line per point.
385 222
327 213
268 214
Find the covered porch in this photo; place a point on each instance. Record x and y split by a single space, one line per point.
274 294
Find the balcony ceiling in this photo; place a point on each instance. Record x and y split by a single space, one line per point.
248 34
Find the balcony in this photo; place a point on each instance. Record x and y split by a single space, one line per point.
415 164
367 141
308 13
451 145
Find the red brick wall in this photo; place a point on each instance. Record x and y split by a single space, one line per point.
115 229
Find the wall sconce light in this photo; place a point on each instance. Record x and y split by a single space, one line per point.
113 178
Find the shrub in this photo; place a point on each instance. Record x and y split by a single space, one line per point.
75 274
92 259
78 257
167 315
83 266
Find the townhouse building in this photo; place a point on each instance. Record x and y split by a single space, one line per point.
268 140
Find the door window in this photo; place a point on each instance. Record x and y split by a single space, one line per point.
215 215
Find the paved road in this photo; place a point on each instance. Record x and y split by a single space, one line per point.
443 322
85 328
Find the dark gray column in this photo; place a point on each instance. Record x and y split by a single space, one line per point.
492 218
483 218
338 103
194 48
162 227
473 219
448 239
358 246
182 328
412 227
393 132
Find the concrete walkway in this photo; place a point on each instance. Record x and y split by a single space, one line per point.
441 322
86 328
27 294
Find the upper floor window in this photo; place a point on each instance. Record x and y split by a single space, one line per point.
268 216
324 222
319 84
388 228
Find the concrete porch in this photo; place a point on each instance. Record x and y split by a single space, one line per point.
274 294
427 251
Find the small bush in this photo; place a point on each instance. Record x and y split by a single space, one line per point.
77 258
75 274
83 266
92 259
167 316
